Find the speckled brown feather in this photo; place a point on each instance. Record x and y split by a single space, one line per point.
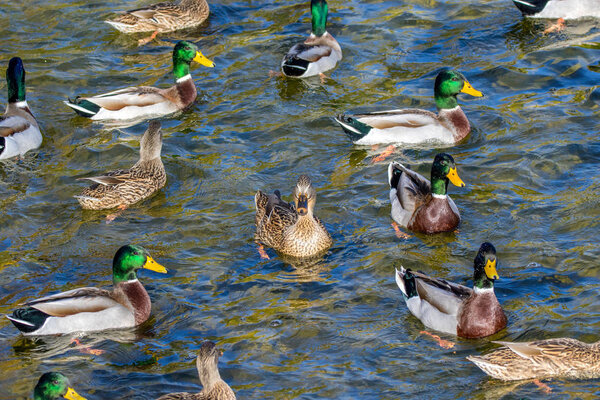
561 357
164 17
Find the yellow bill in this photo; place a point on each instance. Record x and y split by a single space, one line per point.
454 178
200 59
468 89
490 269
154 266
72 395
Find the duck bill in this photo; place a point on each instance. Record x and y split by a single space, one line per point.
490 269
154 266
468 89
302 206
454 178
72 395
200 59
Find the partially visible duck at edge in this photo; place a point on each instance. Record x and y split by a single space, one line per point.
53 386
565 9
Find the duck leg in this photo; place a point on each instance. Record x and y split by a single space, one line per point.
445 344
148 39
275 74
384 154
399 233
86 349
111 217
323 77
558 26
545 388
262 252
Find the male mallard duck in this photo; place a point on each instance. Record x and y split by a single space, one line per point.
452 308
93 309
146 101
291 229
422 206
213 387
319 53
567 9
122 188
563 357
54 385
450 125
19 131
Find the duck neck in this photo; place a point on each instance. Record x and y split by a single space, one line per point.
445 102
319 17
481 283
181 69
209 376
439 186
16 87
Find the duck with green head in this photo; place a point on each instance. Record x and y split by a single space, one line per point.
450 125
145 102
424 206
93 309
53 386
19 130
317 54
452 308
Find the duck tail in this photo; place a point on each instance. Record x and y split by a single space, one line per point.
83 107
406 282
530 7
355 129
28 319
394 174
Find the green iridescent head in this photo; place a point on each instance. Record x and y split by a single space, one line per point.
129 259
484 266
443 170
448 84
54 385
15 79
318 10
184 53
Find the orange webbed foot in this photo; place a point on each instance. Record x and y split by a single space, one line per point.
148 39
545 388
398 232
556 27
384 154
445 344
263 253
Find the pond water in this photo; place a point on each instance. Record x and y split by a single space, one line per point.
337 328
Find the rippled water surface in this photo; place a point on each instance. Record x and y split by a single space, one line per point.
337 328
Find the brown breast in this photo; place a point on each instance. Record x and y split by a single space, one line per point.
134 296
435 215
481 315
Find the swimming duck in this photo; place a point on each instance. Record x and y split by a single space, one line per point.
122 188
19 131
422 206
450 125
319 53
452 308
93 309
291 229
566 9
562 357
54 385
213 387
146 101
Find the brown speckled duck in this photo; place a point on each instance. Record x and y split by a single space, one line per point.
562 357
213 387
291 229
422 206
452 308
122 188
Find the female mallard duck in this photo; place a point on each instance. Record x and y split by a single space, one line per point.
422 206
213 387
19 131
54 385
146 101
450 125
122 188
566 9
92 309
452 308
162 17
319 53
562 357
291 229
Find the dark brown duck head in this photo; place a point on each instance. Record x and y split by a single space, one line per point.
305 196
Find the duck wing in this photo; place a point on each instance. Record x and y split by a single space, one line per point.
549 348
444 295
411 187
10 125
141 96
404 118
87 299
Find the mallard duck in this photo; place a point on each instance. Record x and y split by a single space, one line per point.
291 229
450 125
162 17
563 357
122 188
54 385
422 206
567 9
452 308
146 101
319 53
92 309
19 131
213 387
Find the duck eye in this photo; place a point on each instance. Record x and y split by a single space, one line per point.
136 253
55 382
